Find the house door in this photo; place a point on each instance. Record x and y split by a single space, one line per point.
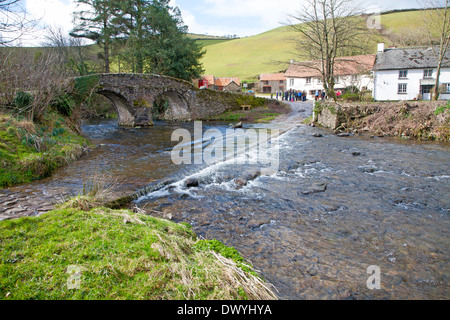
267 89
425 90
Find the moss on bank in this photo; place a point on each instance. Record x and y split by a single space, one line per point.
30 151
262 111
118 254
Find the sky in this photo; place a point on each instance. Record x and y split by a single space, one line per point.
212 17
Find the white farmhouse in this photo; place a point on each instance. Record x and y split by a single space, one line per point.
409 74
349 71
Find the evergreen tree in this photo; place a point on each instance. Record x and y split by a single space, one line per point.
151 35
171 52
96 23
133 22
156 39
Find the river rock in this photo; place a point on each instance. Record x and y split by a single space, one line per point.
257 223
315 187
368 169
253 175
241 182
343 134
15 211
237 125
11 202
331 207
191 183
317 135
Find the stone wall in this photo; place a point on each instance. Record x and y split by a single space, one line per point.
332 114
418 119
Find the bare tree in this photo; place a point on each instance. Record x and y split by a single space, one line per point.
36 74
73 51
437 25
328 29
14 22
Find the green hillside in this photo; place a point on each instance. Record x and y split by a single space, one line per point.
248 57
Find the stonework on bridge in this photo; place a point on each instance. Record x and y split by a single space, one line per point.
139 98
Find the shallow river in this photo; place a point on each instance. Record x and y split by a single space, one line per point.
335 206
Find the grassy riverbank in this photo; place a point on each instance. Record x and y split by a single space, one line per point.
261 110
30 151
118 254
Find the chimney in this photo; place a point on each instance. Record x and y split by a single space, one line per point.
381 47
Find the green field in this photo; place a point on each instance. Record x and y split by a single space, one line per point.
247 57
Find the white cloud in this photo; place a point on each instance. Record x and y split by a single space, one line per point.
53 12
49 13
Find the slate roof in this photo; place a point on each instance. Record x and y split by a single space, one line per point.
409 58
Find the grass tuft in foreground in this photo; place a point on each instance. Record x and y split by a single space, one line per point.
118 254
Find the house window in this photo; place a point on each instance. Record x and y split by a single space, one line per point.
354 78
291 82
281 81
402 74
336 79
446 87
319 80
428 73
308 80
402 88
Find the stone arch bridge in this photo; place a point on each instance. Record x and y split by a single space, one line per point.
139 98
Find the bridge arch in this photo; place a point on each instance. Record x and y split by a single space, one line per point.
122 106
171 105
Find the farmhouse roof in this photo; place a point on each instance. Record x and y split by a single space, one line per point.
343 66
272 77
222 82
210 79
409 58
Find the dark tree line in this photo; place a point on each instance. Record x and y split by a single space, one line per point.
140 36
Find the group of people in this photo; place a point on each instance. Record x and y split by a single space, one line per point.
291 95
298 95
